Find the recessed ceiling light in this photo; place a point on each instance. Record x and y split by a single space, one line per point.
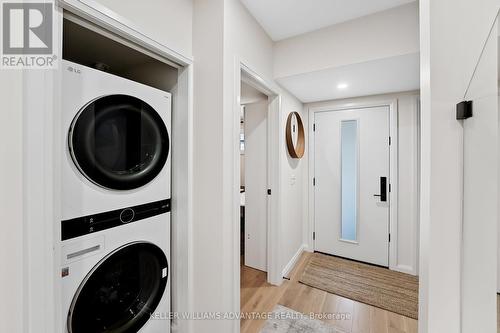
342 85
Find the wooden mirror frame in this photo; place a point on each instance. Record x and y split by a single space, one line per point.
295 151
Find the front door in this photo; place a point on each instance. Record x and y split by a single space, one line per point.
352 183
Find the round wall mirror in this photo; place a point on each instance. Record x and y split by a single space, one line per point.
295 140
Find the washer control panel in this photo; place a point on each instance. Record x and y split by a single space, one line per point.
98 222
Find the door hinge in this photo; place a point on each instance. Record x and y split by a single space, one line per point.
389 141
390 188
314 181
268 191
314 235
389 237
314 127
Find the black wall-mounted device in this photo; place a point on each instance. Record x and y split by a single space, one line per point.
464 110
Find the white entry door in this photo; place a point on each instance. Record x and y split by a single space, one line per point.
351 183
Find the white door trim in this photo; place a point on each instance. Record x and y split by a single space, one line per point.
393 172
41 261
274 166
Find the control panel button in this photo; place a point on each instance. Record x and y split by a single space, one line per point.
127 215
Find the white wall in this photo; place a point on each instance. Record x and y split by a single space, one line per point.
27 200
408 183
11 205
480 212
498 224
451 37
223 31
211 260
169 22
247 40
407 238
294 182
250 42
386 34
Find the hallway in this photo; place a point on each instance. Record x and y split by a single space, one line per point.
259 296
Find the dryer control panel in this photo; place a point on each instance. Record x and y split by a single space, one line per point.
85 225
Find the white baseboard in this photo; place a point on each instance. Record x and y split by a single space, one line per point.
308 248
404 269
291 264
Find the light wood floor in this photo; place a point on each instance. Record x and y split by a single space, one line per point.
259 296
498 313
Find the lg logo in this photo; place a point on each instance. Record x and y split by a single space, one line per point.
27 28
77 71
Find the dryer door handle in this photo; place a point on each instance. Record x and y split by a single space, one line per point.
83 252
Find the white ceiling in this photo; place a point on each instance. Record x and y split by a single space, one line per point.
286 18
388 75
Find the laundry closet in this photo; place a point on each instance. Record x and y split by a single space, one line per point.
116 144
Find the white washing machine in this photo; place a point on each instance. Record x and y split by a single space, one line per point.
116 135
118 280
115 185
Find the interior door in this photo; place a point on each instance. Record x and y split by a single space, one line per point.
256 185
351 192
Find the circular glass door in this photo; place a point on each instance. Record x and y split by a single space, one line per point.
121 292
119 142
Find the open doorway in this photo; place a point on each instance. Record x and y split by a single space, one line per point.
257 190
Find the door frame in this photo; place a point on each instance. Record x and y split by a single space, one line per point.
41 168
393 170
274 132
275 135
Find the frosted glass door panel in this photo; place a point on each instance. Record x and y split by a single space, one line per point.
349 170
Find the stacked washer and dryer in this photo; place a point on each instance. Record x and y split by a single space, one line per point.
115 183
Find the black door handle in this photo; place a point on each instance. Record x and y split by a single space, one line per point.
383 189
